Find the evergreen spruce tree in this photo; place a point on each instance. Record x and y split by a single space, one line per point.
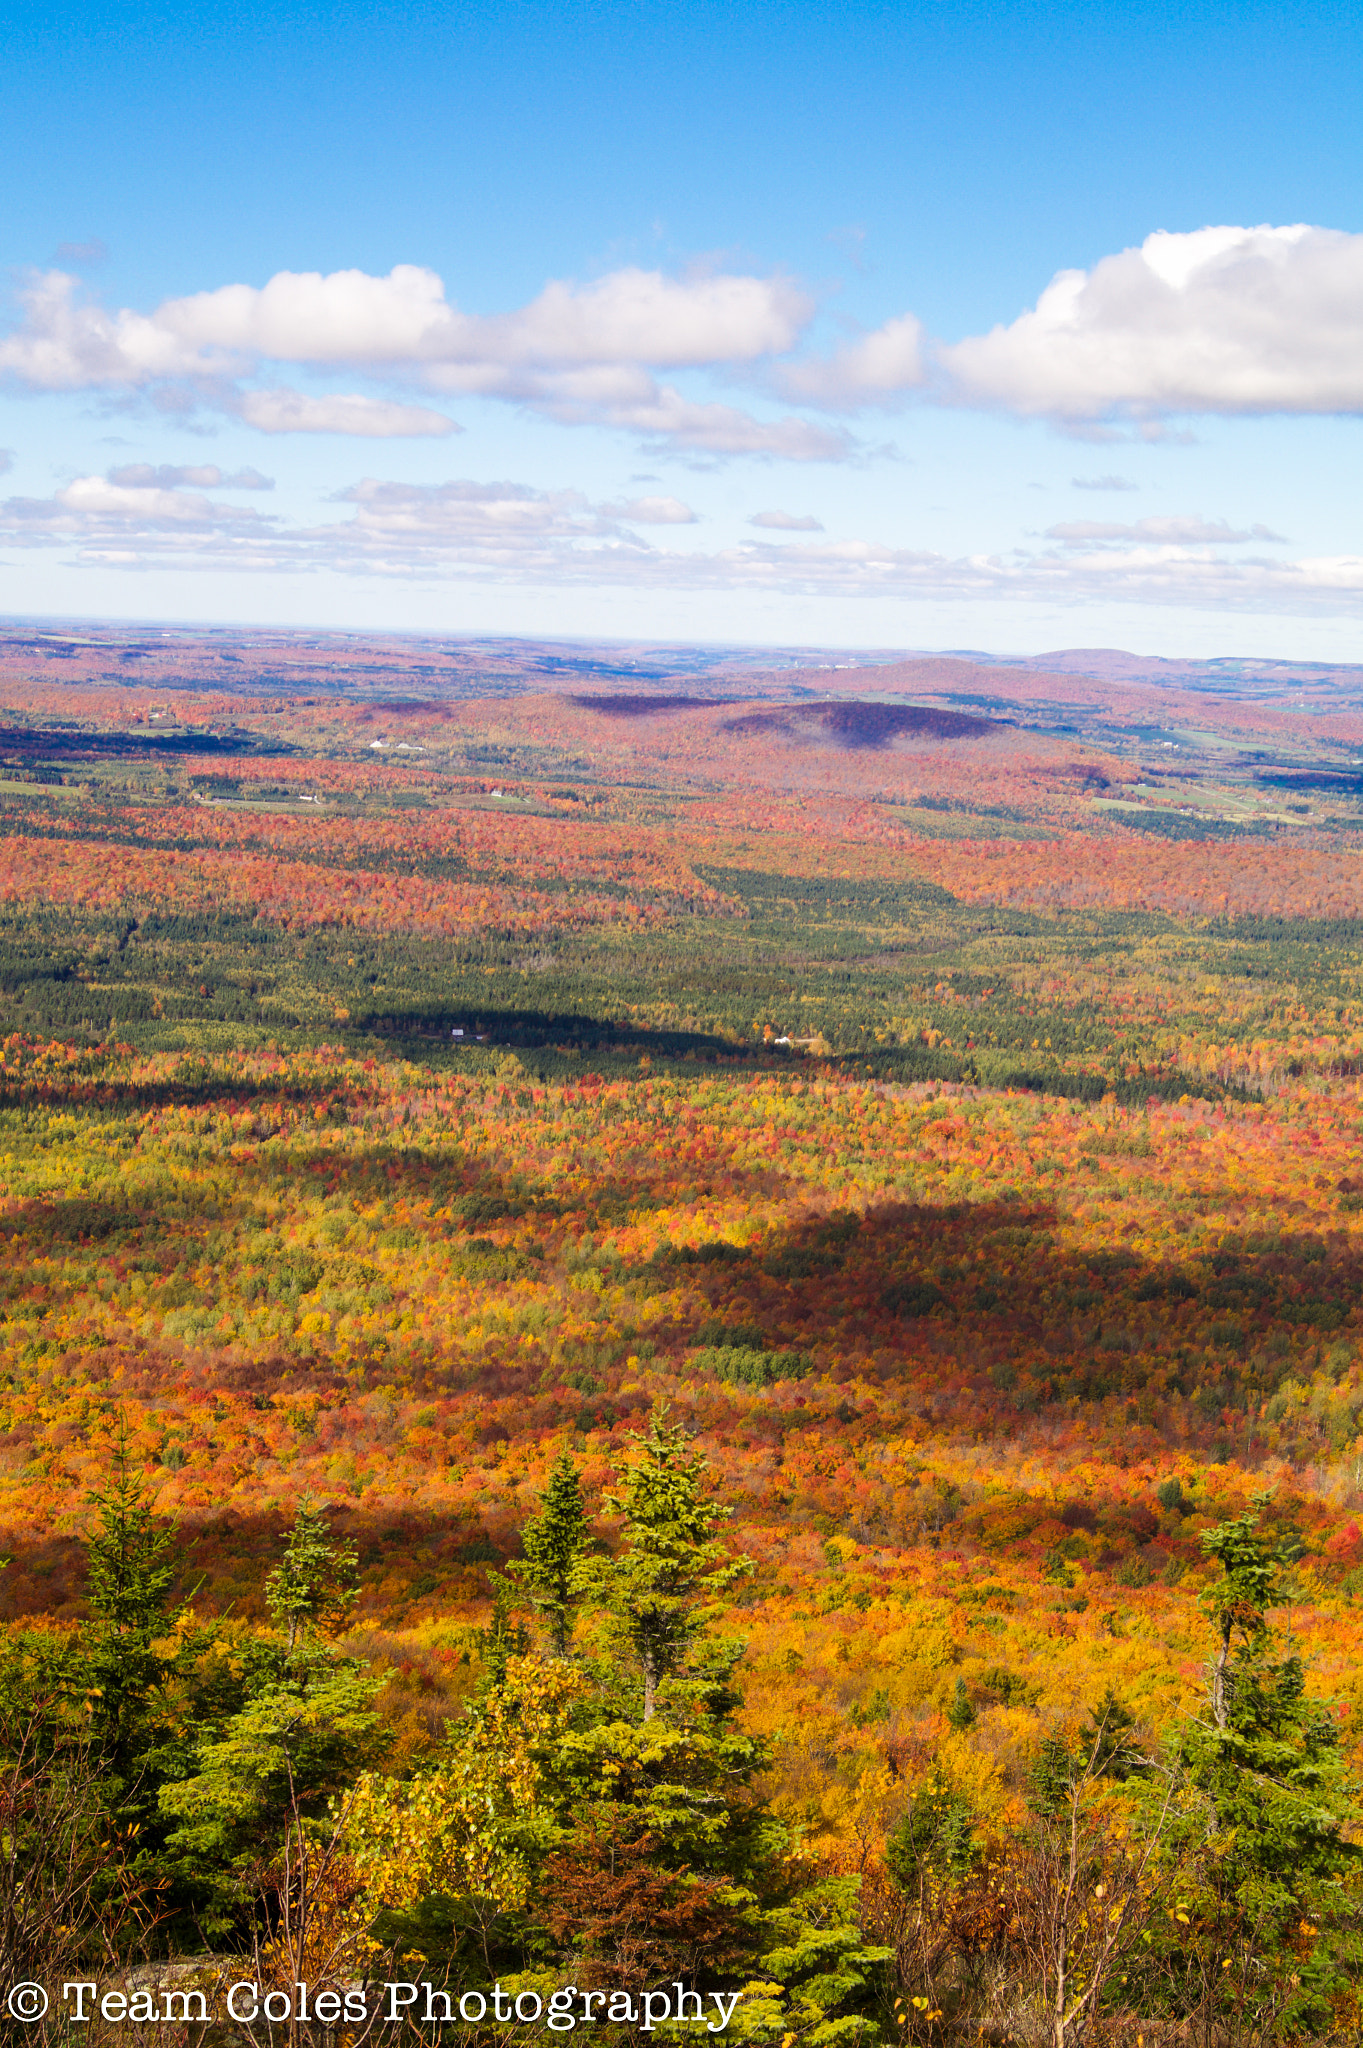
1277 1880
131 1566
314 1588
961 1712
933 1845
1106 1748
503 1638
290 1731
555 1542
657 1758
661 1586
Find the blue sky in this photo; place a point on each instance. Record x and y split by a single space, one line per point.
475 319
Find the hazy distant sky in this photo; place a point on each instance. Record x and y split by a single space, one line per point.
1009 327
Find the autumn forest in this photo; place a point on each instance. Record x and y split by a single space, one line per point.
682 1320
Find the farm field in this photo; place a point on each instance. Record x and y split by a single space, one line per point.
916 1107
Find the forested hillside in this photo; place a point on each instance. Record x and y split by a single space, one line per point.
681 1343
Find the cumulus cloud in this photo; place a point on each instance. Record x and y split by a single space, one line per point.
100 497
1219 320
290 412
1103 483
576 353
64 343
1222 320
643 317
135 525
788 522
624 395
392 528
662 415
876 369
497 518
352 319
655 512
1172 531
167 476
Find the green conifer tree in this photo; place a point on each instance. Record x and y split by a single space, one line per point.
291 1731
555 1542
316 1584
933 1844
661 1586
504 1637
130 1554
1277 1880
961 1712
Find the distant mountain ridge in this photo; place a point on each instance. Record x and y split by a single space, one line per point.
1228 672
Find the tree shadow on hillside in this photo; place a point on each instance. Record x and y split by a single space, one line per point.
224 1559
985 1306
979 1316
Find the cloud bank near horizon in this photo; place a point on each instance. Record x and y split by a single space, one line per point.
513 534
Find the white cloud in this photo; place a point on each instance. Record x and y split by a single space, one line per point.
505 531
508 534
65 343
351 318
512 534
1103 483
342 412
876 369
788 522
98 497
1222 320
577 353
463 508
206 476
654 512
626 396
664 416
1170 531
641 316
147 520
